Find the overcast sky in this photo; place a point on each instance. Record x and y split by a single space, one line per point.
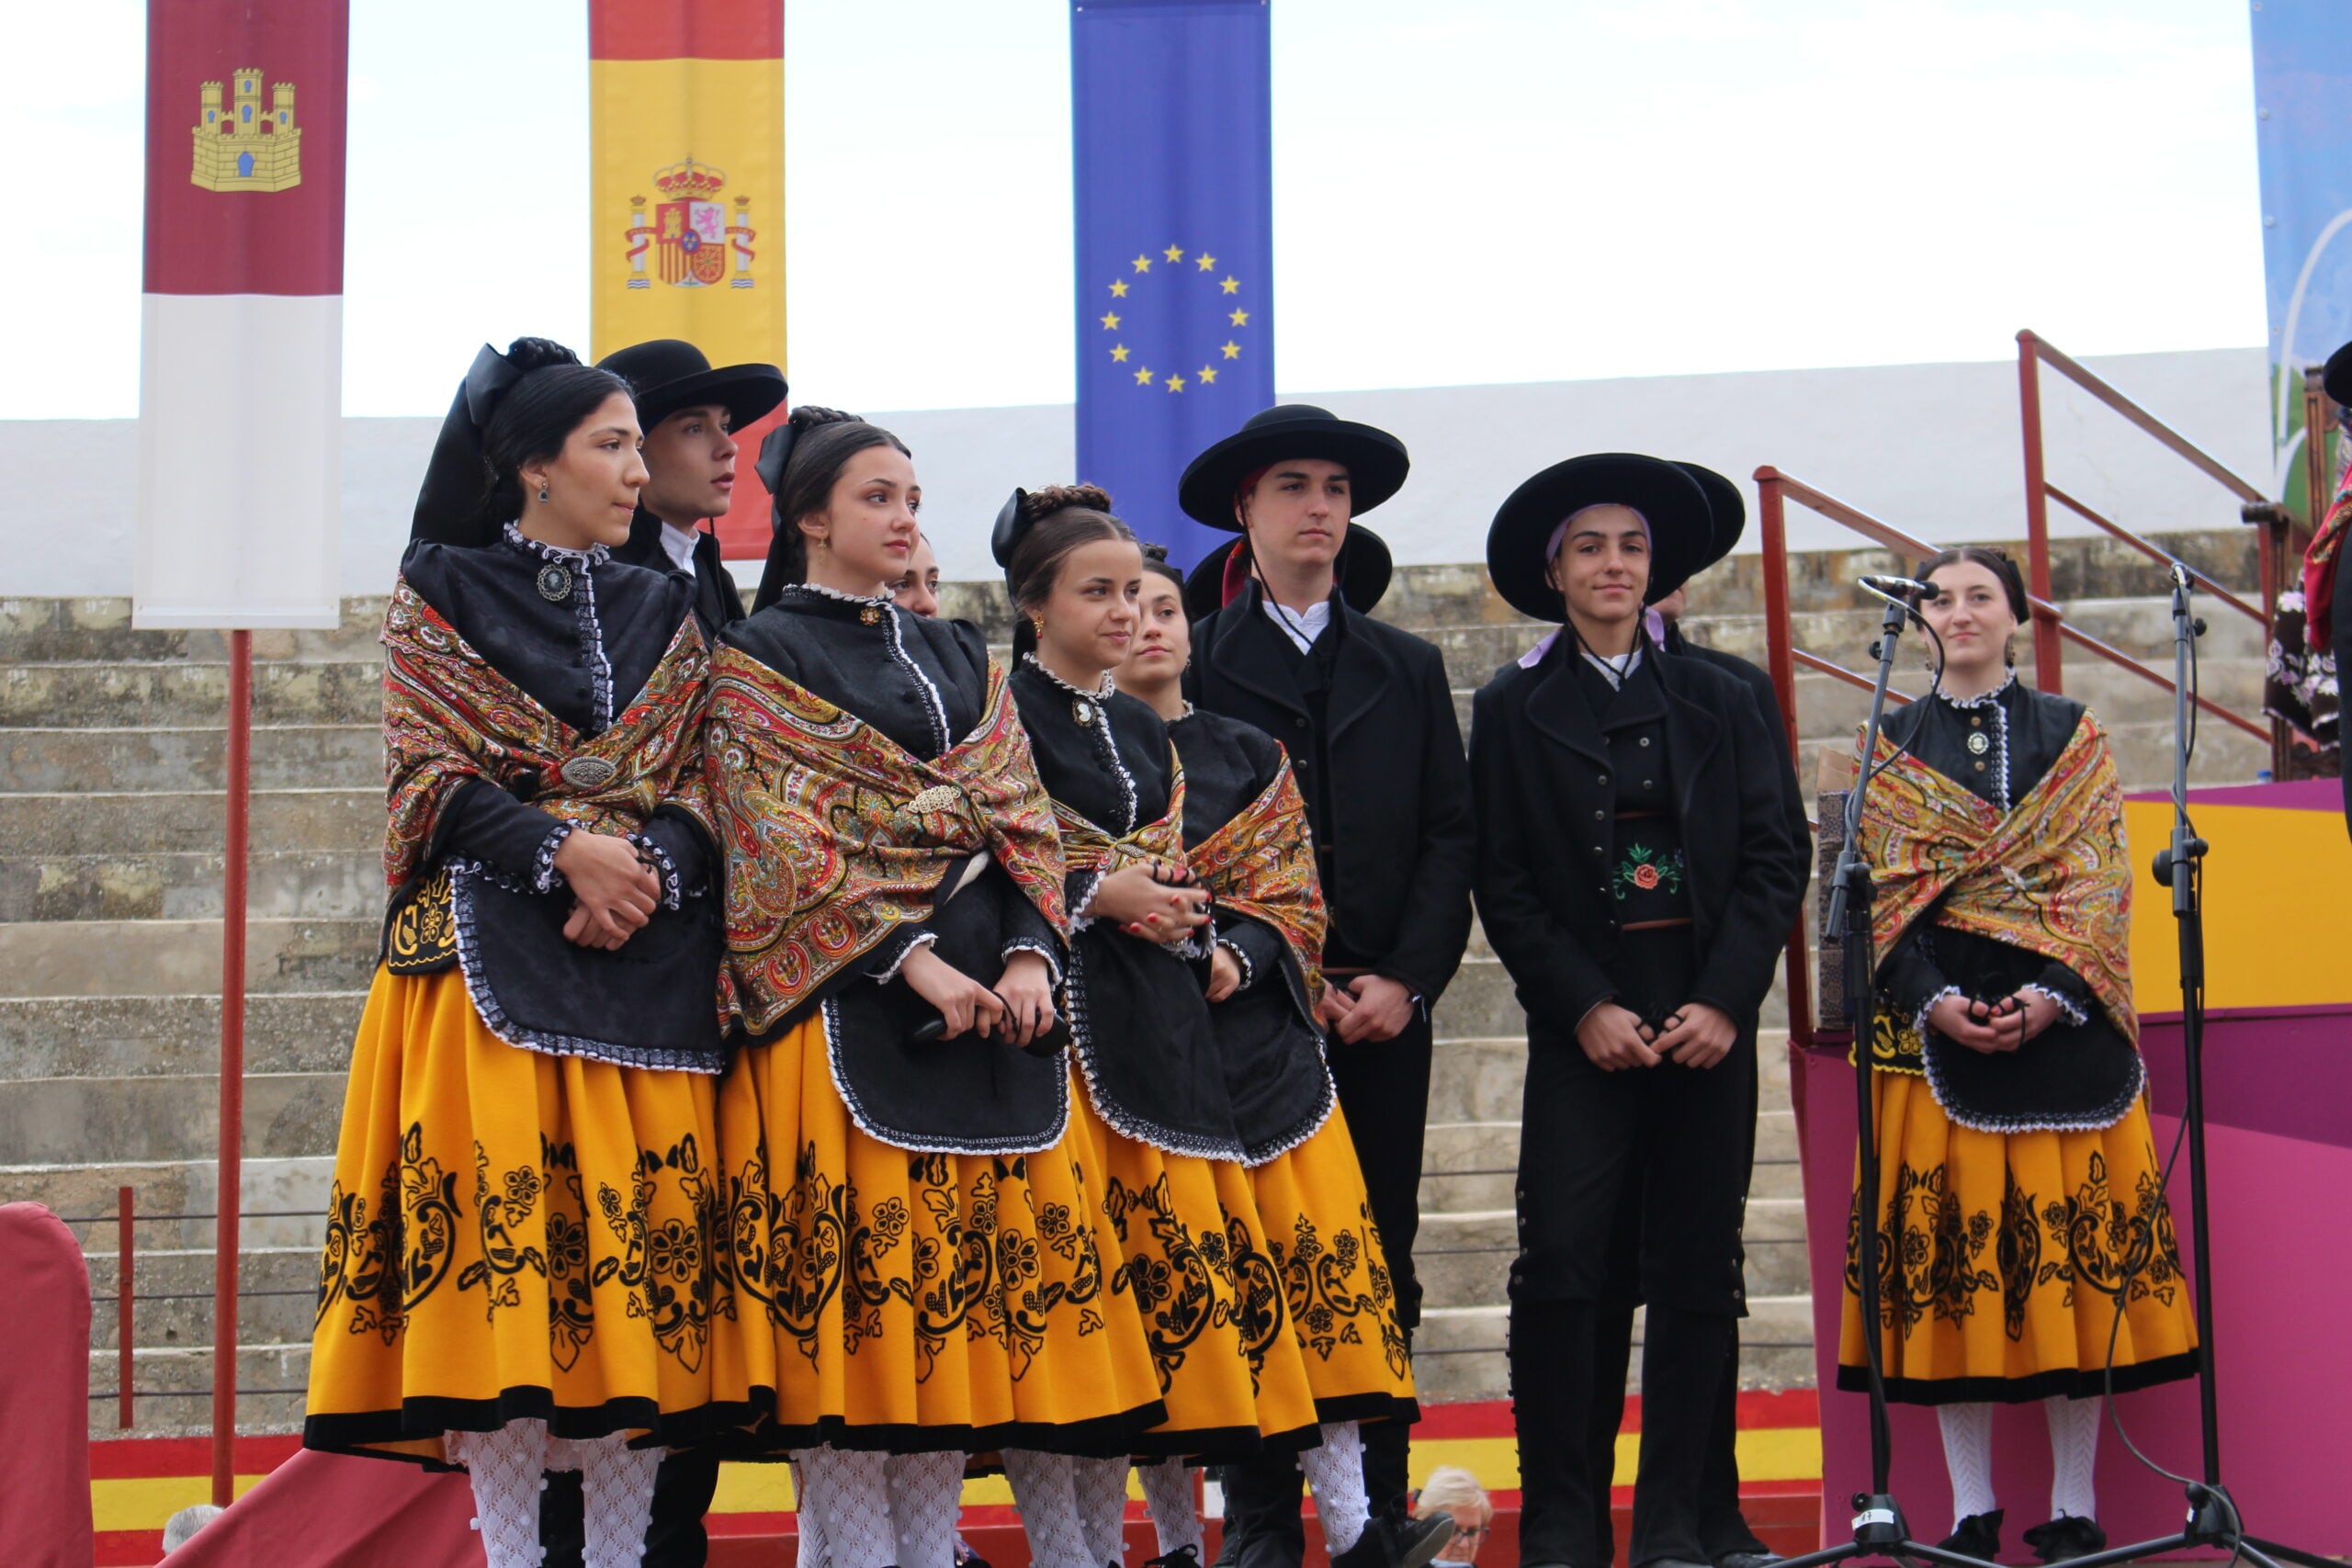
1466 190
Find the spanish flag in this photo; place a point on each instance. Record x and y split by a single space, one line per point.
686 146
241 331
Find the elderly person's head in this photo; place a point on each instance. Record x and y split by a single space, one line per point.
1456 1492
186 1523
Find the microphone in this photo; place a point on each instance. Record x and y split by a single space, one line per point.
1909 590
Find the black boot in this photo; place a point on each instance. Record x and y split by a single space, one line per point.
1978 1536
2066 1536
1384 1545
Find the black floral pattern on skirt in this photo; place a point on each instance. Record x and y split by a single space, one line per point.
1187 1286
1933 1262
1334 1286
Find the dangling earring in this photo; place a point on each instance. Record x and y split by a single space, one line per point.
1038 627
543 492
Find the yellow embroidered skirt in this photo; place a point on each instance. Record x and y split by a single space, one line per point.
1193 1269
1336 1284
888 1298
2003 1256
511 1234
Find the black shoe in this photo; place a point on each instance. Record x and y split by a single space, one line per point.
1978 1536
2066 1536
1749 1559
1418 1541
1185 1556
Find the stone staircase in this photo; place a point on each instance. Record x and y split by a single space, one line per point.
110 835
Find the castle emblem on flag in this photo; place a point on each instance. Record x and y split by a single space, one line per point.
242 145
695 240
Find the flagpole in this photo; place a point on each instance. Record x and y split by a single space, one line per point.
231 1182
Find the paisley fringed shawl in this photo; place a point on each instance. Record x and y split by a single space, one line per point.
2052 877
1262 864
834 835
450 716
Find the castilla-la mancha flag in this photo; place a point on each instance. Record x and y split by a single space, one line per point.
241 373
685 136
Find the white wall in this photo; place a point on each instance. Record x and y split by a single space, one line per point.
1931 448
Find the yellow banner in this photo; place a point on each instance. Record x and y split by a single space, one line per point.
687 192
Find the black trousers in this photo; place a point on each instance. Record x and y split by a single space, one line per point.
1722 1528
675 1537
1384 1092
1558 1365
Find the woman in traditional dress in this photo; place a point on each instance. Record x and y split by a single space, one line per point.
519 1272
2020 1192
1636 878
1245 838
913 1224
1196 1270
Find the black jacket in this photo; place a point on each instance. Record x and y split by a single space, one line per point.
718 604
1758 682
1397 841
1544 784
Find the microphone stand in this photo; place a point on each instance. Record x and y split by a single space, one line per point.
1879 1528
2213 1519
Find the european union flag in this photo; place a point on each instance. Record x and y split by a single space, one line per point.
1173 133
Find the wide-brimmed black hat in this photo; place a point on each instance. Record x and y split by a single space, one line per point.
1365 568
1730 510
2338 376
1682 525
1375 460
669 374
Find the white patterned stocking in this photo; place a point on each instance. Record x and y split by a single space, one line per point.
850 1492
1102 1488
505 1467
1335 1470
1168 1492
926 1491
1045 1492
1968 1455
2074 1455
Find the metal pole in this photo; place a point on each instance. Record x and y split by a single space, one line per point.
2048 650
124 1293
232 1071
1780 637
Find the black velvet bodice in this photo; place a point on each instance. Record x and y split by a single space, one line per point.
922 683
1996 746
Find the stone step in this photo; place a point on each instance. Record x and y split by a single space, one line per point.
119 1037
66 1121
277 1291
190 695
55 631
100 958
315 884
1471 1166
174 1387
283 1201
297 756
184 822
1464 1259
1458 1352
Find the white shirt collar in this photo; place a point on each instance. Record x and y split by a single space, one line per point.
678 543
1302 626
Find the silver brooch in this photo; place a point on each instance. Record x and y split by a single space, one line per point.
1081 710
1979 742
555 583
588 773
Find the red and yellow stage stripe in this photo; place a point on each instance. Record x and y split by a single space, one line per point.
686 182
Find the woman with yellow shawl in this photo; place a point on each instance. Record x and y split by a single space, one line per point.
2019 1195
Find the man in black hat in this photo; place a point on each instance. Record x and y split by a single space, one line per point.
690 413
1722 1528
1367 715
